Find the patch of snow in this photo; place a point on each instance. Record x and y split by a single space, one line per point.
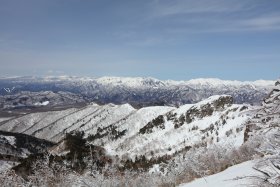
235 176
45 103
6 165
4 119
155 169
10 139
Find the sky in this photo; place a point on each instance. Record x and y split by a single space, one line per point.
165 39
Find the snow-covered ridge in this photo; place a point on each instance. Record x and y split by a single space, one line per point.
139 81
125 131
139 91
131 82
215 82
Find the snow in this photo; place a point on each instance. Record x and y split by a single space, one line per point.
212 99
219 82
237 175
6 165
155 169
10 139
134 123
148 81
45 103
183 109
5 119
160 140
130 81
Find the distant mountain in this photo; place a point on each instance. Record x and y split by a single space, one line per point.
138 92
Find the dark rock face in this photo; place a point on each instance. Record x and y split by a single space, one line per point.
155 123
222 102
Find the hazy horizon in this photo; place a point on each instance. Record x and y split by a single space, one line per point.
132 77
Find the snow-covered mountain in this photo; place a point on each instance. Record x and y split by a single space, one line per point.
138 91
151 131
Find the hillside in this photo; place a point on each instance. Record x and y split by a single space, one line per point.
151 131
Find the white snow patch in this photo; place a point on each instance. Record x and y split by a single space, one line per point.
155 169
238 175
42 104
10 139
6 165
4 119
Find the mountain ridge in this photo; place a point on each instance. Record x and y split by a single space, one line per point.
139 91
121 128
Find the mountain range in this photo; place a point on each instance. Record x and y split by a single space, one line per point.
30 92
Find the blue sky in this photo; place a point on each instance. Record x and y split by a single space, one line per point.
175 39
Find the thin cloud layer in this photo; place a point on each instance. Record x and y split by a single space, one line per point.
168 8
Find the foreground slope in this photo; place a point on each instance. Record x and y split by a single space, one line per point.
235 176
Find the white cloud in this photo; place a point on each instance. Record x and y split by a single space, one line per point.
54 72
167 8
262 22
200 16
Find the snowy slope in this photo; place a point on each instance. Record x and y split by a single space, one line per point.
205 122
235 176
53 125
151 131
